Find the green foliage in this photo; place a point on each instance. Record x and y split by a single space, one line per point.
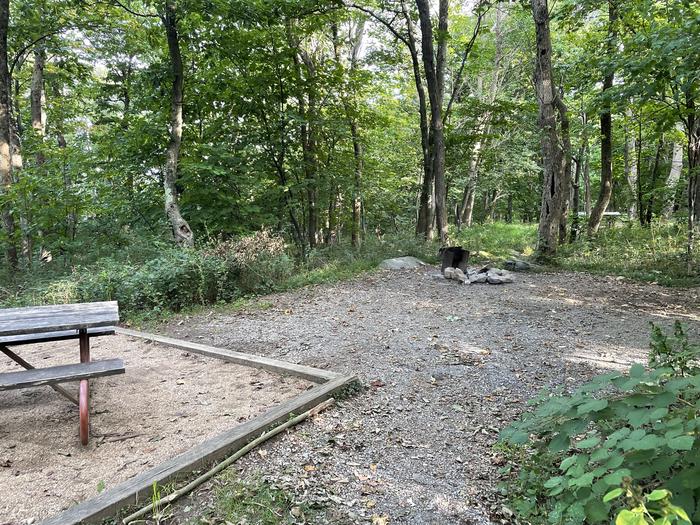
257 501
675 352
150 283
654 508
633 434
654 253
498 240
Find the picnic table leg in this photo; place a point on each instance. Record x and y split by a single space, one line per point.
84 389
17 359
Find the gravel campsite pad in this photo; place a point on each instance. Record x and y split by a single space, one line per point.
445 366
167 402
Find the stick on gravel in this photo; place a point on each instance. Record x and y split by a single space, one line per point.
228 461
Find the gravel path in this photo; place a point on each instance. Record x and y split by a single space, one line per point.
445 367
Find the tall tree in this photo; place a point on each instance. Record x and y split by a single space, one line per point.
674 175
606 129
356 32
182 233
434 65
554 186
5 138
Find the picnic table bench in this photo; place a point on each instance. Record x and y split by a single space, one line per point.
39 324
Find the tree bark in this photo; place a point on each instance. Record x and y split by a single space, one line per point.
23 203
8 220
693 135
631 167
552 154
566 161
649 211
434 66
37 95
182 233
350 108
606 144
71 212
674 176
576 196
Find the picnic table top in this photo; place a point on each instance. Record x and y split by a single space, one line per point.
59 317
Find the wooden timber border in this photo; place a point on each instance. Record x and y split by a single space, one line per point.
315 375
140 487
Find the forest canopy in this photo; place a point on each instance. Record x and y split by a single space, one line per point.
194 122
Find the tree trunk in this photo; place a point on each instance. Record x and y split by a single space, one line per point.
606 144
631 167
649 212
426 206
576 197
8 220
310 170
552 155
182 233
23 202
356 230
434 66
674 176
350 107
37 99
693 135
71 212
332 224
566 161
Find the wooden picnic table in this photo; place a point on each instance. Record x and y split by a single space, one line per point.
37 324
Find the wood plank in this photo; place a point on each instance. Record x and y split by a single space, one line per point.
54 318
139 487
26 339
54 324
17 359
274 365
60 374
50 309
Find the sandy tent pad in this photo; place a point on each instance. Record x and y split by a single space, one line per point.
168 401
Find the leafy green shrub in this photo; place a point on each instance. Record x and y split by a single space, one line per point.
498 240
636 432
653 253
260 259
176 279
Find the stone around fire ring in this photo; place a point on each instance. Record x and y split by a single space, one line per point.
401 263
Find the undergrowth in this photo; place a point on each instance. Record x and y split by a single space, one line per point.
654 254
623 448
227 275
153 280
257 501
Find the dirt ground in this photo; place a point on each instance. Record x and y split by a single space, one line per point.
167 402
446 367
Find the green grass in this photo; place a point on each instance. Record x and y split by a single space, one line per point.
192 281
654 254
256 502
498 241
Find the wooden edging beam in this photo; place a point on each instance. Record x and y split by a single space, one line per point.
315 375
139 488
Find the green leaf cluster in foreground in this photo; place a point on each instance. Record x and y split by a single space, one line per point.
623 448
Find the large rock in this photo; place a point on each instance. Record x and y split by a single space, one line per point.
478 278
517 265
499 277
401 263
